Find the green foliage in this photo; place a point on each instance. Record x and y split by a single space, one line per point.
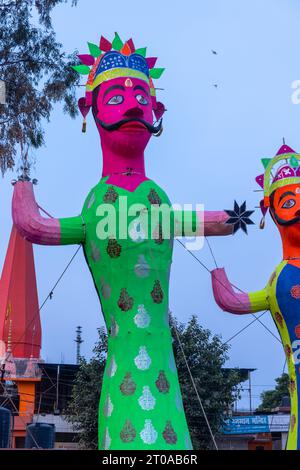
272 398
82 410
36 73
206 355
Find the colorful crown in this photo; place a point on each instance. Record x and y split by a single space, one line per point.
116 59
287 173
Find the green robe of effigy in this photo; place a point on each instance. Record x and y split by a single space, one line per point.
141 404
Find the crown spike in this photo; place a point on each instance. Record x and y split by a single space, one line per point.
266 161
117 43
141 51
151 61
86 59
260 180
156 73
131 45
81 69
94 50
125 49
105 45
285 149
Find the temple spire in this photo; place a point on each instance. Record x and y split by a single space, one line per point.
19 310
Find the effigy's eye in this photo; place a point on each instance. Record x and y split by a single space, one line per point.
117 99
289 204
141 99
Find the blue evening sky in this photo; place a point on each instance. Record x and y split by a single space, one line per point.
209 153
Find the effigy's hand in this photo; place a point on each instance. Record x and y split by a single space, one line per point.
27 218
239 217
43 230
226 297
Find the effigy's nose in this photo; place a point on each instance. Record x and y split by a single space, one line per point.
134 112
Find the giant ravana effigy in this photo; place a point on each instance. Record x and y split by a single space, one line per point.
141 404
281 185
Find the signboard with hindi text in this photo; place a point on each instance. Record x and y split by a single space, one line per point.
255 424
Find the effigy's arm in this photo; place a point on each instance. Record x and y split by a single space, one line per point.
236 302
199 223
216 223
41 230
212 223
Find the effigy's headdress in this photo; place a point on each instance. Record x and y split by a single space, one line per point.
288 172
115 59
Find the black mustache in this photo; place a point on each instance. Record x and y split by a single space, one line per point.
116 125
284 222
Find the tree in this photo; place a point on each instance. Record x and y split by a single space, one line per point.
36 74
273 398
218 389
206 355
82 410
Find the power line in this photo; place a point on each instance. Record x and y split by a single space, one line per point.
226 288
211 252
245 327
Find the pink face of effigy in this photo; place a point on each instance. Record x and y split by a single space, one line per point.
121 99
